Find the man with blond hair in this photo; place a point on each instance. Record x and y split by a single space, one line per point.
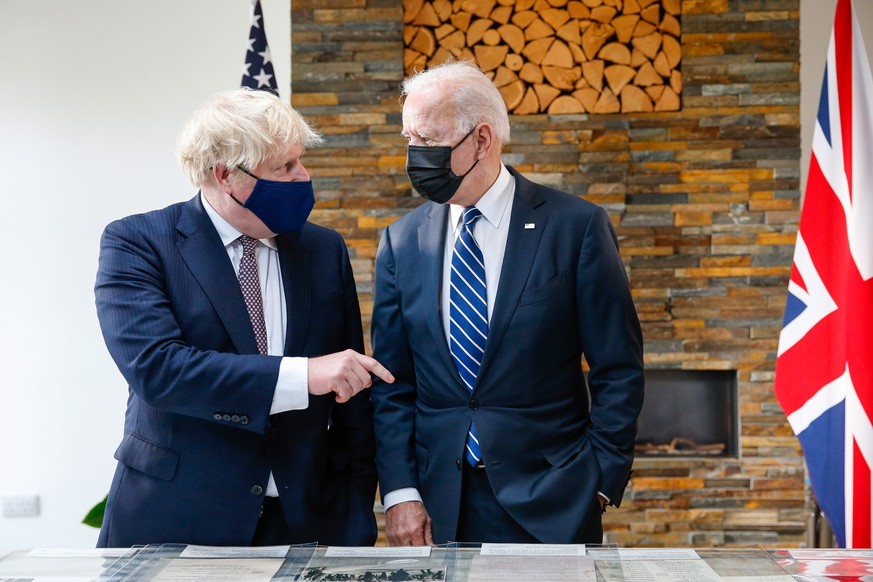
487 297
236 324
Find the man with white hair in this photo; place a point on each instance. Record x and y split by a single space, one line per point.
487 298
236 324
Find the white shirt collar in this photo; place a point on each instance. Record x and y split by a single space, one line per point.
492 204
227 232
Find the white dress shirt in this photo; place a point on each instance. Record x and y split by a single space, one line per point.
491 232
292 386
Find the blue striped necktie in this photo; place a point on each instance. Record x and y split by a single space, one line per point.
468 313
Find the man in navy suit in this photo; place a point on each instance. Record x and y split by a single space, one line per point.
490 432
236 324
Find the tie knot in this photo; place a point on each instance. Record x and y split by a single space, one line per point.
249 244
471 215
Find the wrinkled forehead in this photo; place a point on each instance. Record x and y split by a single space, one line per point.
429 114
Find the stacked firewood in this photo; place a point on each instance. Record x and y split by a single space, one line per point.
556 56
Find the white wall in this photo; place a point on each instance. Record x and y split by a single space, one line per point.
93 94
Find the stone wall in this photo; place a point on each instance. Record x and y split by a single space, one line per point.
705 201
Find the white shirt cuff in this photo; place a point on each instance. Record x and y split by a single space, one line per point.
400 496
292 387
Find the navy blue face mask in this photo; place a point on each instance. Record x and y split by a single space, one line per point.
283 207
429 169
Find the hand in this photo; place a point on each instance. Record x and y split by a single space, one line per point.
408 524
602 501
345 373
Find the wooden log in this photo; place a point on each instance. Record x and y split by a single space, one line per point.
558 3
672 50
411 8
624 27
554 17
490 57
427 16
644 28
669 25
565 105
512 36
514 62
662 66
506 2
409 33
512 94
652 14
529 104
523 18
649 45
491 37
443 9
570 32
578 54
603 14
424 42
411 57
631 7
592 71
503 76
592 3
536 51
587 97
614 3
545 94
646 76
594 37
454 43
501 14
461 20
521 5
615 52
559 55
635 100
676 81
444 31
617 76
480 8
538 29
673 6
669 101
638 59
655 91
607 103
644 3
531 73
578 11
477 30
440 56
562 78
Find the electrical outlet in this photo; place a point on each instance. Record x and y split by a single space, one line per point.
20 505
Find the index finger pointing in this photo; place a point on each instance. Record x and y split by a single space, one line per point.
374 367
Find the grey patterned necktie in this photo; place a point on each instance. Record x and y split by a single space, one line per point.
251 289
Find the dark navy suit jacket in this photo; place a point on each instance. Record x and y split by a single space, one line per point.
199 442
563 293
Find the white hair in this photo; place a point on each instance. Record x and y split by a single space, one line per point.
475 97
239 128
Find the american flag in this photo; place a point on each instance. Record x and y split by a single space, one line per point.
258 69
824 365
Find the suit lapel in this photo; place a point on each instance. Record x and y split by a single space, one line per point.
206 258
521 248
431 246
294 264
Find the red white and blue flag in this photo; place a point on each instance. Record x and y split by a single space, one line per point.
258 67
824 368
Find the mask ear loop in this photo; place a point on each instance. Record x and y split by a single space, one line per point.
464 175
247 173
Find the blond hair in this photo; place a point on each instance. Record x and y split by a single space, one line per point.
239 128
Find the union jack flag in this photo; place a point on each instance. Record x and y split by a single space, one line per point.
824 366
258 69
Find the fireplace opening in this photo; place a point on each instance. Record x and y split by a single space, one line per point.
689 413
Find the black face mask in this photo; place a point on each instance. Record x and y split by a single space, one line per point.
430 170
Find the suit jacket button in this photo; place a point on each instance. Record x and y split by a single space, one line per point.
234 418
474 404
458 464
243 419
216 416
226 417
257 489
